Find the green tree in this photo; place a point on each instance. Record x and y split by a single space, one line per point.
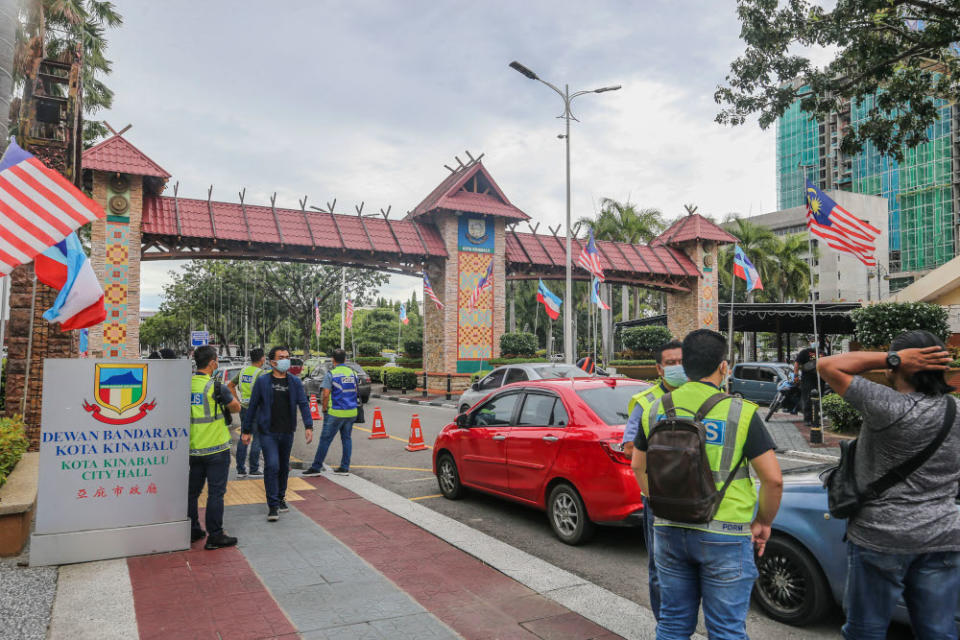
53 27
902 51
624 222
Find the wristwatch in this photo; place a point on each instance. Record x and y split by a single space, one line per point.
893 360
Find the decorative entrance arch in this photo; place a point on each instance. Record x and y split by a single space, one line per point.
464 227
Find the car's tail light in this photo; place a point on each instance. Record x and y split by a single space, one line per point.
615 450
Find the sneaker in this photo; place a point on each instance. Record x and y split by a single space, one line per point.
219 541
283 508
312 471
341 471
273 516
241 474
197 534
257 473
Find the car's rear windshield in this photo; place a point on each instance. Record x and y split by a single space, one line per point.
560 371
610 402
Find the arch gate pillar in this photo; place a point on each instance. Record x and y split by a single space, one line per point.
700 240
120 175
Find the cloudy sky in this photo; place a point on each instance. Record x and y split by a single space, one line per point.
367 100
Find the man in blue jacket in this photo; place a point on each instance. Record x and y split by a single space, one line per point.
272 413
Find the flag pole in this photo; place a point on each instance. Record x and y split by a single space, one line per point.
343 305
399 327
733 288
816 431
26 377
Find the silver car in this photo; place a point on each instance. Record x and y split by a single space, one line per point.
516 373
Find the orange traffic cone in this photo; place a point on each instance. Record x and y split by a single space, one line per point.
379 430
416 436
314 407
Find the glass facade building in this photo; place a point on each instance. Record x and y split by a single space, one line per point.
920 191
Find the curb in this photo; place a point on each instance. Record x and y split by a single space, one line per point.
607 609
426 403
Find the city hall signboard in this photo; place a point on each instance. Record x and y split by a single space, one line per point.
115 441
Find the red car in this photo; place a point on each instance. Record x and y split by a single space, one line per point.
551 444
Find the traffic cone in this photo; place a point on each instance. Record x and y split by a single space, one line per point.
416 436
379 430
314 407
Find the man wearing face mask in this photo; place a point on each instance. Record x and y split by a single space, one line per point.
272 413
669 358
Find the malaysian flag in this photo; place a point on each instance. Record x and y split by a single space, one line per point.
839 228
316 316
38 208
590 258
595 295
484 283
348 315
428 290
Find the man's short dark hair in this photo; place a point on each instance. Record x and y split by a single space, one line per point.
204 355
666 346
339 356
931 383
168 354
273 351
256 355
703 351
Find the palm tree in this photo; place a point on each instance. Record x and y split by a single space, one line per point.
791 279
624 222
53 27
761 247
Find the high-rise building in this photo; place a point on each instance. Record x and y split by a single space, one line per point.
922 192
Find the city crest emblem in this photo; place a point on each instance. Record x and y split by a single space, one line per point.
119 391
477 230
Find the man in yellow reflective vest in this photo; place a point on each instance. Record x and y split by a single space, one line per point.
713 561
340 402
209 449
242 388
669 359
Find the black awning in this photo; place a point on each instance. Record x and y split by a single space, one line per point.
833 318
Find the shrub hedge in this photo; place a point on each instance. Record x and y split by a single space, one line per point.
400 378
496 362
645 339
410 363
632 363
13 444
878 324
842 415
375 374
518 344
377 361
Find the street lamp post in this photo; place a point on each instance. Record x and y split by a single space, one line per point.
567 115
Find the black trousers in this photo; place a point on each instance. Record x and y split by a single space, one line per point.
212 469
806 386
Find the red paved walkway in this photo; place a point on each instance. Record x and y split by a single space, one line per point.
474 599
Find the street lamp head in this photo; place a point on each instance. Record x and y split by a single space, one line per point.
522 69
605 89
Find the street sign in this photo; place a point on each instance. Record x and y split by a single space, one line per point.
199 338
113 460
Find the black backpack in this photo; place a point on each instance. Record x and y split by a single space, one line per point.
679 477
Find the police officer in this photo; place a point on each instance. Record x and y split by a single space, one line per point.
209 449
340 403
694 560
242 386
669 358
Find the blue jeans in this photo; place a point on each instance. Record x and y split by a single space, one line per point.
212 469
331 427
276 465
928 582
254 448
698 565
652 579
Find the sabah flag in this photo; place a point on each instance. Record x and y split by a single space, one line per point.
550 302
743 268
403 314
595 295
65 267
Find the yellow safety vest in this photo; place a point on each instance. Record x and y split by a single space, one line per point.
645 398
208 429
248 375
727 425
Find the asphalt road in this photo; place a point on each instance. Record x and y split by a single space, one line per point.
615 559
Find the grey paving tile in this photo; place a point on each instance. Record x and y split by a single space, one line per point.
362 631
420 625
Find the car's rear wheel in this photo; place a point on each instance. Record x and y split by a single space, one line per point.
791 587
448 478
568 515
